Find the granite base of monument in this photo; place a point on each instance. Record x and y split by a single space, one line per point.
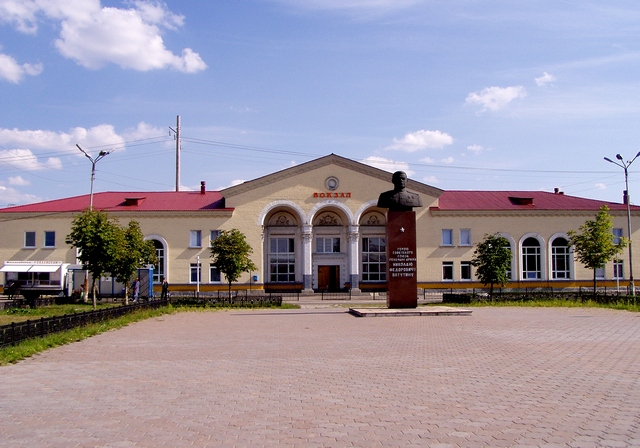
402 282
419 311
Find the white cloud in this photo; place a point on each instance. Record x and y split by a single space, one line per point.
422 139
388 165
141 132
427 160
430 180
10 196
13 72
545 79
359 7
24 159
601 186
18 180
448 160
494 98
94 35
476 149
100 135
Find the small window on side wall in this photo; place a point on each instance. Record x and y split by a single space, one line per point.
30 239
465 237
447 237
49 239
195 238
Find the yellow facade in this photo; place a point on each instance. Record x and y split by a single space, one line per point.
309 225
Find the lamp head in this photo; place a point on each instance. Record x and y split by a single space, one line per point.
619 157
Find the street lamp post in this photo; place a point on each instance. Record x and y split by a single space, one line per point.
625 166
100 156
95 160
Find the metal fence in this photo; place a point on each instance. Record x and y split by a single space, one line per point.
602 295
16 332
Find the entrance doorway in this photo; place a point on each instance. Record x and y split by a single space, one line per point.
329 278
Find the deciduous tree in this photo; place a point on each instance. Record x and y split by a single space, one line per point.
492 259
132 252
230 253
94 234
594 245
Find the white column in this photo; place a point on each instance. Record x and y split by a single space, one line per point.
307 258
354 266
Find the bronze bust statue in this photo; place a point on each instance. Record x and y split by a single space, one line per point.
399 199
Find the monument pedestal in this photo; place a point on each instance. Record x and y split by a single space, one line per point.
402 269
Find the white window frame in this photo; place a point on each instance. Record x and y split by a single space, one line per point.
445 233
213 234
465 237
469 265
449 266
531 251
618 269
369 259
556 254
195 238
327 245
277 259
197 267
213 269
30 246
618 233
44 240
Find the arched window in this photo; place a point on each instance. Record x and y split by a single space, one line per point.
560 267
158 270
531 266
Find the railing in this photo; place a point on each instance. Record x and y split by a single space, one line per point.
16 332
602 295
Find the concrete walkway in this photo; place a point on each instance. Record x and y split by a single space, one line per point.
321 377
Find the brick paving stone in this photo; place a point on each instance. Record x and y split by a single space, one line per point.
321 377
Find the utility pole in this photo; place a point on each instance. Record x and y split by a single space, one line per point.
177 132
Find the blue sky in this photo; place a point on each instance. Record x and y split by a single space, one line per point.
461 94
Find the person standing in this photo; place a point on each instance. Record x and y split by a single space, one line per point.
135 287
165 289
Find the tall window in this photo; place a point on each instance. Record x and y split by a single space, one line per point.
158 270
447 270
327 245
374 259
29 239
49 239
195 274
509 267
195 238
214 274
282 260
618 269
465 270
213 235
531 259
447 237
465 237
617 235
560 267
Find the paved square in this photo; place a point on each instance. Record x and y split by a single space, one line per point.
321 377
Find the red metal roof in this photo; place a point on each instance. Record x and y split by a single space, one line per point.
129 201
519 200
